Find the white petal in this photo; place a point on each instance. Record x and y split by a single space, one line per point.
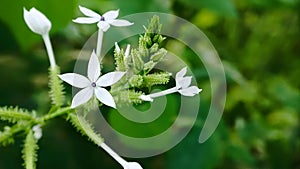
82 97
190 91
117 47
133 165
75 80
183 82
103 25
109 78
127 51
146 98
89 12
111 15
93 71
37 21
120 22
85 20
105 97
181 73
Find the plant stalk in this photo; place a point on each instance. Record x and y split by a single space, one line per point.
49 50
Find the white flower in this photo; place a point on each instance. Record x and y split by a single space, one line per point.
36 21
37 132
40 24
182 86
93 84
104 21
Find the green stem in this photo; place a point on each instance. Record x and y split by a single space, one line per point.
57 113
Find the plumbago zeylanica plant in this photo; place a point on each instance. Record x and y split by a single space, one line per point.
134 72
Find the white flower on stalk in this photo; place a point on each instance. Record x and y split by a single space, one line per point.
104 21
37 21
92 84
182 86
40 24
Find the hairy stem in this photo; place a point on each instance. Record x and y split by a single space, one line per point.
57 113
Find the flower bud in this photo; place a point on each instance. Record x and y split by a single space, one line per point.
37 21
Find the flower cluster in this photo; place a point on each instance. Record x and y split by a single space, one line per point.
135 72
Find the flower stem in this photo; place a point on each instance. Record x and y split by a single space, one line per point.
57 113
99 42
49 50
163 93
114 155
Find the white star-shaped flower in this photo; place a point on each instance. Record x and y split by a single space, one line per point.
104 21
92 84
182 86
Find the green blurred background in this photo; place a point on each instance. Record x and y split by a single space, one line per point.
257 40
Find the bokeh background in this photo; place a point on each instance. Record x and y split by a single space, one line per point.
257 40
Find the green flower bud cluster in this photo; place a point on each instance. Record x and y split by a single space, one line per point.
140 65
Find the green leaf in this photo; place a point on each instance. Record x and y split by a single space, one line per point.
145 111
60 13
14 115
222 7
56 88
192 155
135 6
30 151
